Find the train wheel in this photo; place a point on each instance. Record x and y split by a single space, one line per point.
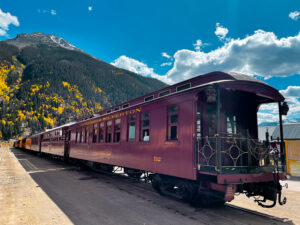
176 188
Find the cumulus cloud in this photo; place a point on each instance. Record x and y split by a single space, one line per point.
269 112
164 54
6 19
261 53
291 91
294 15
221 31
53 12
138 67
90 8
266 117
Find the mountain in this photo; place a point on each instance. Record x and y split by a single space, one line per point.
46 81
34 39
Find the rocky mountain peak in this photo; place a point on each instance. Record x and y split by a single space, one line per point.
23 40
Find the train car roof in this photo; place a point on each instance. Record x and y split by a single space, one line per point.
52 129
198 81
62 126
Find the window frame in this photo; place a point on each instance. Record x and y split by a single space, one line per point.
164 93
95 133
142 128
102 132
128 127
107 133
126 105
116 132
77 134
148 98
182 87
171 124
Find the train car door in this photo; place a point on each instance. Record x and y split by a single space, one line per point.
206 127
206 119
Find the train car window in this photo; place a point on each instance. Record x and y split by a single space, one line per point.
95 132
117 130
145 136
126 106
131 127
101 132
81 135
231 124
87 134
164 93
108 131
172 123
77 135
149 98
116 109
183 87
108 111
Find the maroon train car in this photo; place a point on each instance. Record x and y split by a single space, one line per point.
197 138
36 142
54 141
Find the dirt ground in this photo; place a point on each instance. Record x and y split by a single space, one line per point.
22 201
289 211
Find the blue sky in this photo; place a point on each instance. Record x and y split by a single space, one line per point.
175 40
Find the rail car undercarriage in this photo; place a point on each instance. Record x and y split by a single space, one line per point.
207 193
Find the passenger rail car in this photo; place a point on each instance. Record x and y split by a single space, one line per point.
197 139
54 141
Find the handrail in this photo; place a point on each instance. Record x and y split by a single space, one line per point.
236 152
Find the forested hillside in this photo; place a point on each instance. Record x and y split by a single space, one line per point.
45 84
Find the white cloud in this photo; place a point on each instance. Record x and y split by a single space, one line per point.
164 54
53 12
291 91
198 45
138 67
261 53
2 32
166 64
294 15
269 112
7 19
45 11
90 8
221 31
266 117
292 95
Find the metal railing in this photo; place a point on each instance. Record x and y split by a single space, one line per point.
243 155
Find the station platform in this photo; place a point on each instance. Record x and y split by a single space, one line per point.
22 201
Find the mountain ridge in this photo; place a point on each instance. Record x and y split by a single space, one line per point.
46 81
